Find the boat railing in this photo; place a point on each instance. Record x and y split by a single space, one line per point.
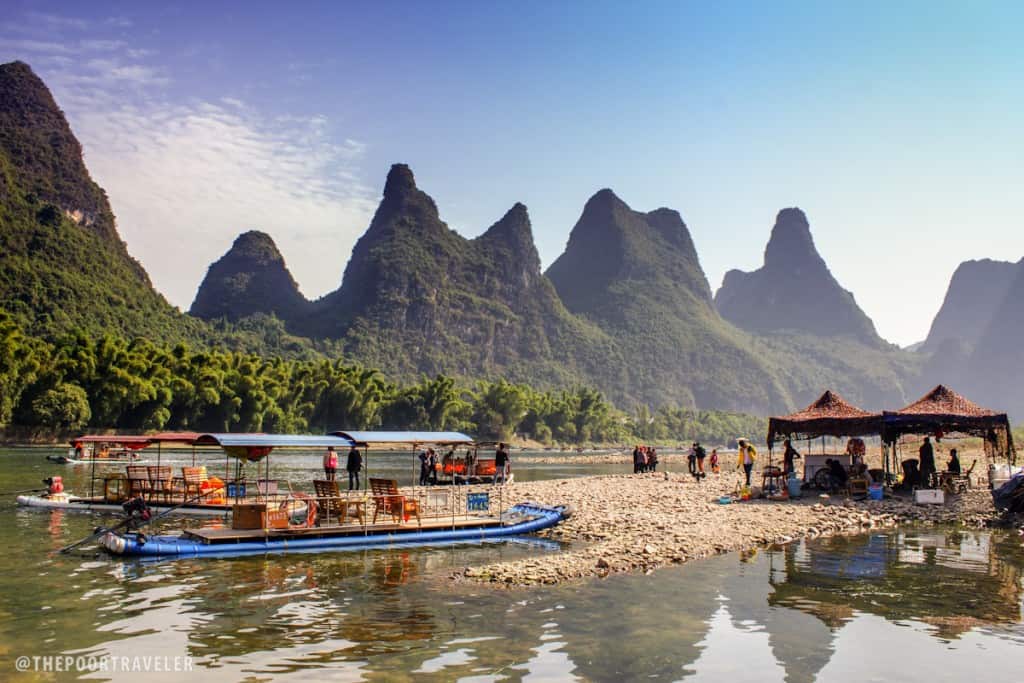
432 504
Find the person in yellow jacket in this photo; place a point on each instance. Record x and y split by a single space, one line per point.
745 457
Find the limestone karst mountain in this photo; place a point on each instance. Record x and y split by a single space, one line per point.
975 291
417 297
996 364
794 290
637 275
63 266
250 278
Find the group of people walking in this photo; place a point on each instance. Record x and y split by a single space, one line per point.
645 459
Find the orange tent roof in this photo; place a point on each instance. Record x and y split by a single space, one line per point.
828 405
829 415
944 401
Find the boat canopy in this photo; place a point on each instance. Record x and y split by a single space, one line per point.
138 441
254 447
439 438
127 441
274 440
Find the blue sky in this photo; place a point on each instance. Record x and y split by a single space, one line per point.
897 127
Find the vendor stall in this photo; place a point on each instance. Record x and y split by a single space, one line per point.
943 413
829 416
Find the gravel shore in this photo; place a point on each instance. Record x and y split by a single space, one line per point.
637 523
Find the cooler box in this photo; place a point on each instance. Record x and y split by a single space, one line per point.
929 497
248 516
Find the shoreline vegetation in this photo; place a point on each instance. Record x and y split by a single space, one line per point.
49 390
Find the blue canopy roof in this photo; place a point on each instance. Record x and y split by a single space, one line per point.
274 441
366 438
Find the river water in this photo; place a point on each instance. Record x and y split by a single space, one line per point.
913 605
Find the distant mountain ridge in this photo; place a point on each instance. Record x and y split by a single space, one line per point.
794 290
627 308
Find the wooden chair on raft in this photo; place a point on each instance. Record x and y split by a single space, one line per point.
194 478
160 482
388 500
333 506
138 481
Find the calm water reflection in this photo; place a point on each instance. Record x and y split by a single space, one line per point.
917 605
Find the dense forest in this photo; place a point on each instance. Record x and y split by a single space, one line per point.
82 382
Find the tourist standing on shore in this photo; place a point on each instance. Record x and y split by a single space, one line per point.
691 459
927 457
788 456
330 464
746 457
637 457
700 453
502 463
714 461
652 460
354 465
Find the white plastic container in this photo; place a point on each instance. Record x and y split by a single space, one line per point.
929 497
1000 474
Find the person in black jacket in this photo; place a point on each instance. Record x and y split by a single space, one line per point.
354 464
501 463
953 466
926 454
788 456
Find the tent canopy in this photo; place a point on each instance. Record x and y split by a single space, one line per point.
943 411
830 415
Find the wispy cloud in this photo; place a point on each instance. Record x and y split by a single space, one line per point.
184 178
57 22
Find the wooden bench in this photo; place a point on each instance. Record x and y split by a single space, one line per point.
388 500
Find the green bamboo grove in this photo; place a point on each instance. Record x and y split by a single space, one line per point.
80 382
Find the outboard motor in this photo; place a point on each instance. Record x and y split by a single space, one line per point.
54 485
137 511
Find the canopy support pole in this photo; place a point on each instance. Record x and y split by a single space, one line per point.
92 473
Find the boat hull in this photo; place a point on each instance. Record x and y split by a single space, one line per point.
536 518
65 460
85 505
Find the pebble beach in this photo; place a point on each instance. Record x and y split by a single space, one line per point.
640 522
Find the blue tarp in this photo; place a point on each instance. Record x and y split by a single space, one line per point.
367 438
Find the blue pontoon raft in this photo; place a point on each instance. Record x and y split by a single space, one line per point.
334 520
